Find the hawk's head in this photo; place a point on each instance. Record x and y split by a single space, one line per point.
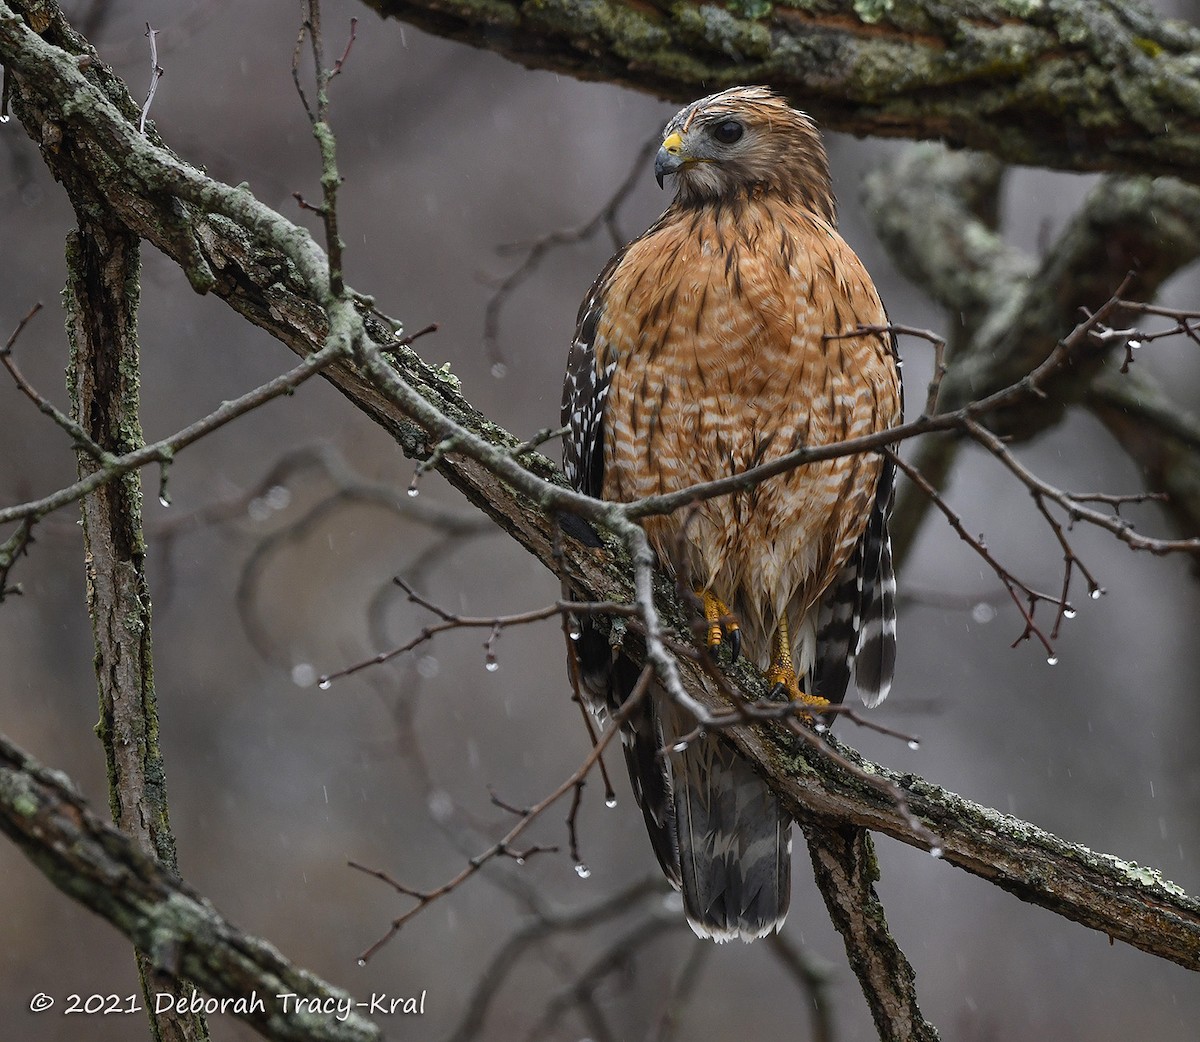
743 140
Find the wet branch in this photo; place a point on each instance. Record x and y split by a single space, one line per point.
108 873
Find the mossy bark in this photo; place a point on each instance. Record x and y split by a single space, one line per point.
103 268
1075 84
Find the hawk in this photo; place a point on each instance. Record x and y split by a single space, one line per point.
728 334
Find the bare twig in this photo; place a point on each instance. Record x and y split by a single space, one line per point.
163 450
78 435
1022 595
14 547
318 117
337 65
536 252
156 73
493 623
504 846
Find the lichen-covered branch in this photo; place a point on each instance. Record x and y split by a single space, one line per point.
103 266
846 871
182 933
1086 85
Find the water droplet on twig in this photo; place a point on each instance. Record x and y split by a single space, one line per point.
582 871
914 744
499 371
1052 660
491 665
325 683
610 802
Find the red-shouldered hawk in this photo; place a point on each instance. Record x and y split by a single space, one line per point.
703 349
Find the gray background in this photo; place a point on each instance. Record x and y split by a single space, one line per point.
448 153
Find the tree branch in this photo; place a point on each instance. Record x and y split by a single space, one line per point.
1089 85
846 871
104 870
103 265
924 205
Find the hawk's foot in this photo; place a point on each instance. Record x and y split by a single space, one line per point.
782 674
722 625
785 685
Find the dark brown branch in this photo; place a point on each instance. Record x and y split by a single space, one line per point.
844 861
103 264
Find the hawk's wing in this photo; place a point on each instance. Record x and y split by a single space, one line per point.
607 677
856 624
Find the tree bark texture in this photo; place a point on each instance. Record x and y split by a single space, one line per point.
103 269
1074 84
846 871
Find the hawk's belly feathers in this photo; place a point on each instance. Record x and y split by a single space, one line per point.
728 364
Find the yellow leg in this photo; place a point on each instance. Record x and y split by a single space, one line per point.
721 624
782 673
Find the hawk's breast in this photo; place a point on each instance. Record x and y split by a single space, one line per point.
715 325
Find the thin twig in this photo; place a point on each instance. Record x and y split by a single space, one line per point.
156 73
78 435
163 450
504 846
537 250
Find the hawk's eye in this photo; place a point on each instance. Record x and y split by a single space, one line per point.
728 132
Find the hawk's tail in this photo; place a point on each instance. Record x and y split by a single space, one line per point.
734 844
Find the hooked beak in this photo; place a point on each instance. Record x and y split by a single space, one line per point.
670 158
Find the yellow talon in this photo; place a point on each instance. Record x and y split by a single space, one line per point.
721 624
782 673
